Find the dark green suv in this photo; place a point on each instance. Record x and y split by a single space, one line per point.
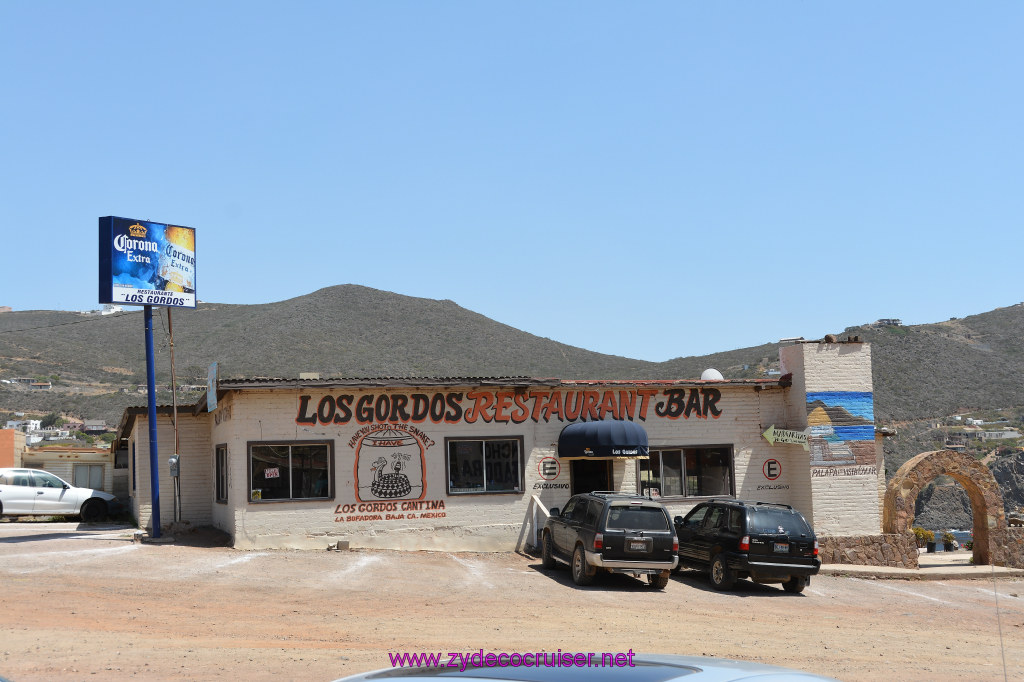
763 541
614 532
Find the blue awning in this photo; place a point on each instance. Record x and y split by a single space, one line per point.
603 439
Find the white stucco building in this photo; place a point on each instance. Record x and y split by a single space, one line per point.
454 463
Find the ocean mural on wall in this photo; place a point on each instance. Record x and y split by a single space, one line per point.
842 425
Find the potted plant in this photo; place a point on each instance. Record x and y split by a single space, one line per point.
925 538
947 541
919 535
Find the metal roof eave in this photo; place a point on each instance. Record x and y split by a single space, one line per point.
255 383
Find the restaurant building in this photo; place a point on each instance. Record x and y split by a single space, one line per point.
460 463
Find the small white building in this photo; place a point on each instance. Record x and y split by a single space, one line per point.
83 467
25 425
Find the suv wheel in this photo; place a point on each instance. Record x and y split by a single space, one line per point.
722 577
658 580
582 573
795 584
93 511
547 560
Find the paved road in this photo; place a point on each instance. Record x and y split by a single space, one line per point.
84 601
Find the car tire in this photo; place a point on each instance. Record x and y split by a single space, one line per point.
795 584
93 510
547 558
658 580
582 573
722 577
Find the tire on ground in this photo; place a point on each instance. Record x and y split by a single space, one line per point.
658 580
547 560
795 584
582 573
722 577
93 510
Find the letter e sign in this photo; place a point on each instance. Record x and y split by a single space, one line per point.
772 469
549 468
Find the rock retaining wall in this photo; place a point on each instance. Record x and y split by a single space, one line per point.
898 550
1008 547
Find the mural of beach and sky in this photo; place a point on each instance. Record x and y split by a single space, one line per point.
842 427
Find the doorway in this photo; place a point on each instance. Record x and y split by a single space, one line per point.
588 475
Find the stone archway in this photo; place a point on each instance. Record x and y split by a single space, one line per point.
981 487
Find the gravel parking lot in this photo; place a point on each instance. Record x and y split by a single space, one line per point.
85 602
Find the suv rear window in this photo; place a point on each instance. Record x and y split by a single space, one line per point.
769 521
637 518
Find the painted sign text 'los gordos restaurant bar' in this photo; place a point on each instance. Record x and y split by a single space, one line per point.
508 406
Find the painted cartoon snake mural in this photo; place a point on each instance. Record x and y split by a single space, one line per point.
389 485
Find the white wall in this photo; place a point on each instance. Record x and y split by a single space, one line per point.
196 457
474 522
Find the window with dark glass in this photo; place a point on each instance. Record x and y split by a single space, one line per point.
695 518
687 472
290 471
488 465
221 472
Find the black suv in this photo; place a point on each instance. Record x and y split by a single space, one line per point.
763 541
614 532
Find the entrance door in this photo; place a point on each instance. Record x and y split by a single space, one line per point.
588 475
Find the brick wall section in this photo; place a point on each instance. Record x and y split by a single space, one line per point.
840 506
899 550
196 457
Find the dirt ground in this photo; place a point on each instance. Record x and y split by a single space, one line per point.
87 603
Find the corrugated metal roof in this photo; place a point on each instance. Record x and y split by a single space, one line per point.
511 381
376 382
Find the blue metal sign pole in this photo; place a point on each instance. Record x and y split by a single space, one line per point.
154 468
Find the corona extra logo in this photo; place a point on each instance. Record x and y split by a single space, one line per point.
137 230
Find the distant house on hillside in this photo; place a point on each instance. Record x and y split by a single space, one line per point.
41 385
889 322
25 425
94 426
1002 434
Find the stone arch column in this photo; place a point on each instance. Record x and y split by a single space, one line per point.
982 490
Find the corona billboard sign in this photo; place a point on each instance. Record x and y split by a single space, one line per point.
145 263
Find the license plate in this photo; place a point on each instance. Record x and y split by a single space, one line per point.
637 545
782 548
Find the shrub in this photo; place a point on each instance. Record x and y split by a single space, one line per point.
948 538
923 536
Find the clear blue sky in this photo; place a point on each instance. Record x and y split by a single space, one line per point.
654 179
